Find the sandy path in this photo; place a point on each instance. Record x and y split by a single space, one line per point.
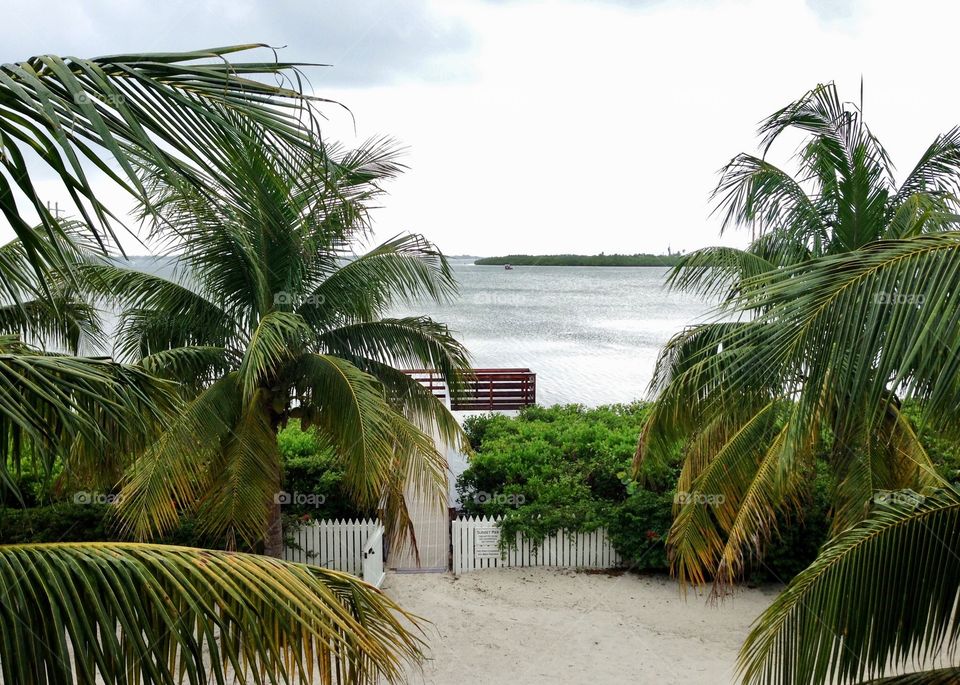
558 626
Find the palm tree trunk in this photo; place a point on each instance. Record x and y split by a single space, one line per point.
273 536
273 539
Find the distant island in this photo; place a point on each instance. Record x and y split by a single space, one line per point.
581 260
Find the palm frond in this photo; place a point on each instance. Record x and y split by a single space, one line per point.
883 457
938 171
384 454
715 272
277 340
157 313
60 323
164 106
418 469
243 478
350 409
420 406
404 268
754 192
171 476
169 615
706 511
939 676
52 403
193 367
893 318
900 612
413 342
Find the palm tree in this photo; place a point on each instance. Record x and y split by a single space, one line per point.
129 612
165 606
843 307
881 595
749 453
266 321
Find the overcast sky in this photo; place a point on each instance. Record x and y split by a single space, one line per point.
546 127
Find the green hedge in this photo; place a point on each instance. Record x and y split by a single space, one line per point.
566 467
71 522
311 477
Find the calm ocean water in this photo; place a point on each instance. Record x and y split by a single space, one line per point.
591 334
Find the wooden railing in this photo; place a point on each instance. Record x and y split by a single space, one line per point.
483 389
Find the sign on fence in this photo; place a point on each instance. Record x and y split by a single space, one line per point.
476 545
487 541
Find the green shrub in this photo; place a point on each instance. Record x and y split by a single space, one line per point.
309 469
638 529
562 467
566 467
72 522
312 477
64 522
30 483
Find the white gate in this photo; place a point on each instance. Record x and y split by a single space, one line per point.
476 545
335 544
373 571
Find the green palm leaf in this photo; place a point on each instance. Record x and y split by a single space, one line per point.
170 108
404 269
713 272
55 406
940 676
843 306
173 474
880 596
156 614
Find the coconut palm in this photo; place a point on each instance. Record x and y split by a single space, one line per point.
268 318
124 612
752 431
818 353
881 595
175 614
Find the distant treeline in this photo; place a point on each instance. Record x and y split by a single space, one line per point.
581 260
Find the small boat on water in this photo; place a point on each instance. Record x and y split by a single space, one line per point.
507 267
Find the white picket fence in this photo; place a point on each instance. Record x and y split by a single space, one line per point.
476 545
357 547
351 546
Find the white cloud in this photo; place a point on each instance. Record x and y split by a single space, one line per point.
583 126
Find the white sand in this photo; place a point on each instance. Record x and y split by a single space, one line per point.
546 626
